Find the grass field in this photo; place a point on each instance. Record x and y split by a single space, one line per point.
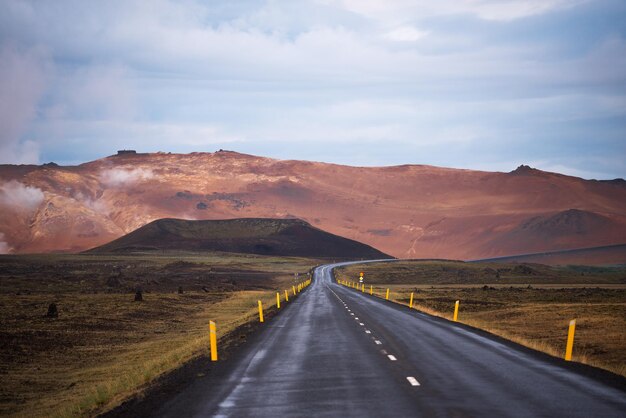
529 304
104 346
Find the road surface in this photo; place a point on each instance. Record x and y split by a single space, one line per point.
336 352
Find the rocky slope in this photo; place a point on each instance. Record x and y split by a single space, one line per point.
406 211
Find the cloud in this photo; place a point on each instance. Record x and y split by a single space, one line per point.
5 248
22 83
18 196
493 78
405 34
498 10
116 177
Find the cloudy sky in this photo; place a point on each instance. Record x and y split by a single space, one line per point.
461 83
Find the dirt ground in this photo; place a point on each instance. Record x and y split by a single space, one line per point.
104 346
529 304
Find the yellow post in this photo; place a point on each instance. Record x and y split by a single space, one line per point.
456 311
570 340
213 339
294 290
411 301
371 291
362 288
286 296
387 295
278 300
260 311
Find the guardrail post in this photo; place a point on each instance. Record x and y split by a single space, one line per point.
213 340
570 340
411 301
456 311
260 311
387 295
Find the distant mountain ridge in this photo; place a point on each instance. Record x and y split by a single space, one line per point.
409 211
281 237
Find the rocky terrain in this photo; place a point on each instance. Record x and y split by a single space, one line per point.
411 211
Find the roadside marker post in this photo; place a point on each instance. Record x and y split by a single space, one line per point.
371 291
411 301
260 311
387 295
278 300
294 290
213 340
456 311
286 296
362 288
570 340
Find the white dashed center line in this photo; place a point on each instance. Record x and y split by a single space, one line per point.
361 324
392 358
367 331
413 381
377 342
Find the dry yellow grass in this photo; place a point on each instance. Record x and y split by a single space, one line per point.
535 316
104 347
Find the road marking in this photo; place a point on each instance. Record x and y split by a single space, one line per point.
392 358
384 352
352 314
367 331
413 381
361 324
356 317
377 342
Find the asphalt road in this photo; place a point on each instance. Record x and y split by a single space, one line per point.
336 352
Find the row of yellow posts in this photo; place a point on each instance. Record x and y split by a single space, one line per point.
455 317
212 328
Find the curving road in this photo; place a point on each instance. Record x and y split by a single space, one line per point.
337 352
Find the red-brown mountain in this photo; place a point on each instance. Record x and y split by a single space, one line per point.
406 211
